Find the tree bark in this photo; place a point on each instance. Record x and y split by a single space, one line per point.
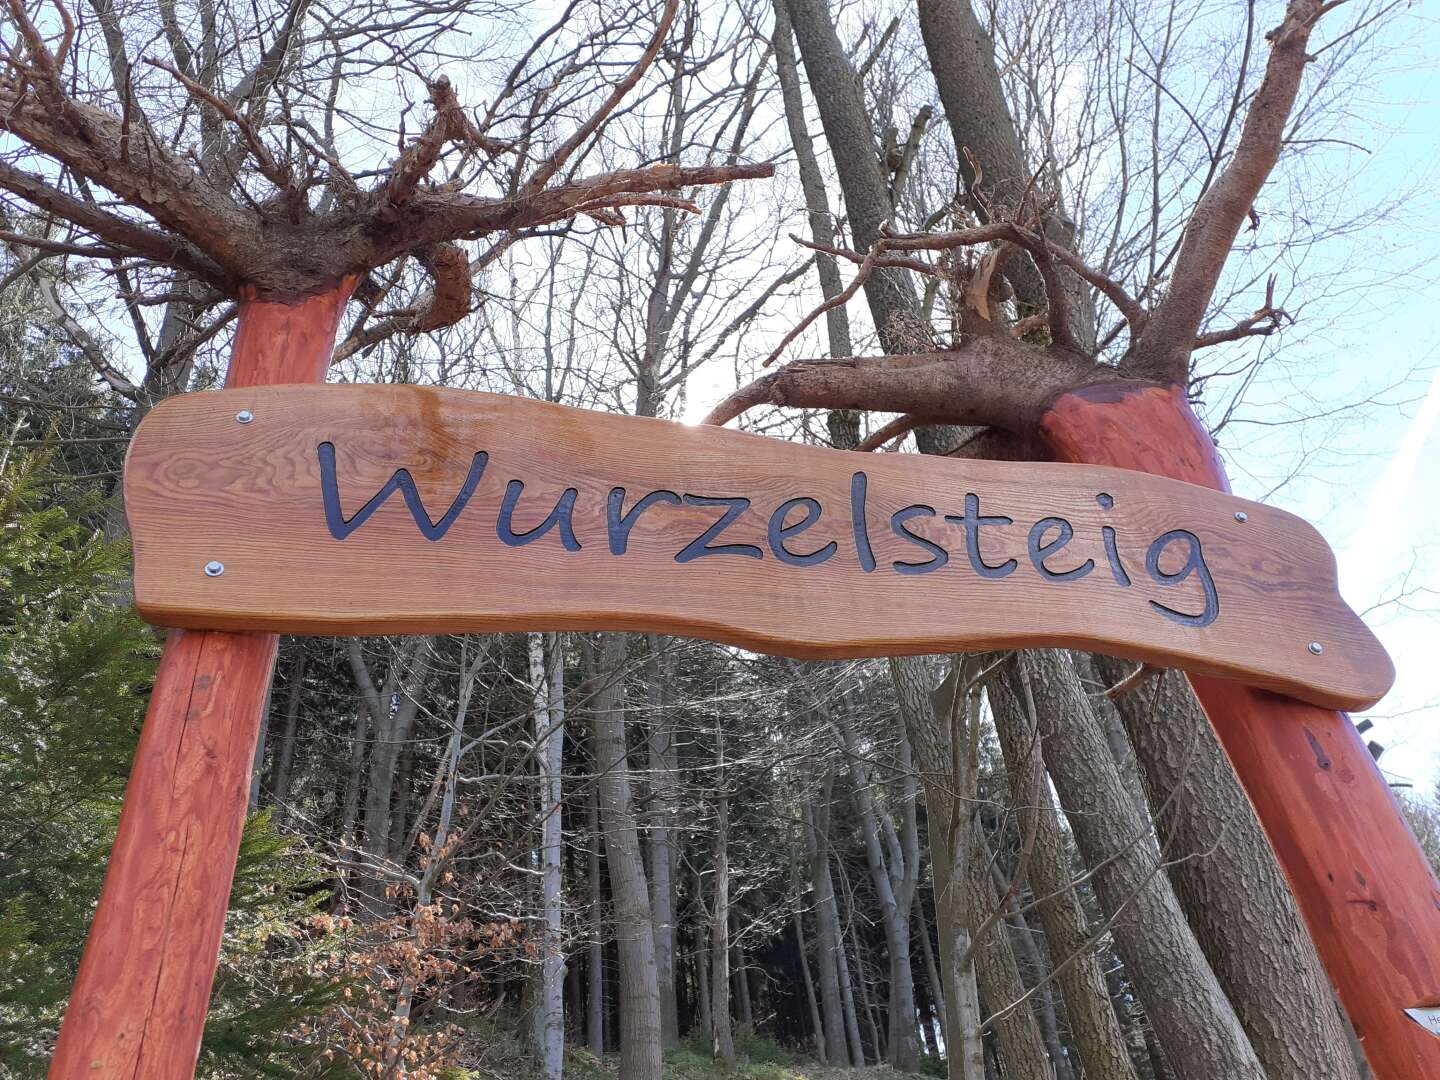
1228 882
278 782
827 926
848 132
1022 1047
941 731
817 1026
962 61
595 950
1093 1024
547 679
1191 1016
740 975
640 1050
703 946
722 1037
902 1051
663 766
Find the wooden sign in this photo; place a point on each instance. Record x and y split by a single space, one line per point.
403 509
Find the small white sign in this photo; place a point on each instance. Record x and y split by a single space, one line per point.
1428 1018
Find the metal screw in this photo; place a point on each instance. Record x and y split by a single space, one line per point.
1316 648
214 568
1241 516
244 416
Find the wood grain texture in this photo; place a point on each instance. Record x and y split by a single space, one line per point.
200 487
137 1008
1363 885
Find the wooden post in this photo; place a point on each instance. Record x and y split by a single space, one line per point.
138 1005
1361 881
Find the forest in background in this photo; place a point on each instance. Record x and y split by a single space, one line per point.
589 854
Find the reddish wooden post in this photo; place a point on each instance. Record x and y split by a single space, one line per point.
1362 883
138 1005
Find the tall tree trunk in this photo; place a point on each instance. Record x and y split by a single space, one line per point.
740 975
547 679
595 951
1032 959
1195 1022
391 723
663 764
903 1053
354 781
1229 883
817 1026
827 927
867 1004
933 988
1022 1048
1093 1024
723 1040
278 782
640 1051
962 61
847 999
703 945
846 120
942 729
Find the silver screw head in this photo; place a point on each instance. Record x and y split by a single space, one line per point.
214 568
244 416
1317 648
1241 516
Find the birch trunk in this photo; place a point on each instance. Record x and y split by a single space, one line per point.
547 678
723 1040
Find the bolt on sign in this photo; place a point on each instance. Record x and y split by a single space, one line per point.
404 509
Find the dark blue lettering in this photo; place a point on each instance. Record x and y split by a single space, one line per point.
401 481
971 522
700 546
938 555
621 521
858 524
1041 549
562 515
779 531
1194 564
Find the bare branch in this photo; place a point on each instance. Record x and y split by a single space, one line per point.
1264 322
556 161
149 243
990 380
1163 350
272 170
